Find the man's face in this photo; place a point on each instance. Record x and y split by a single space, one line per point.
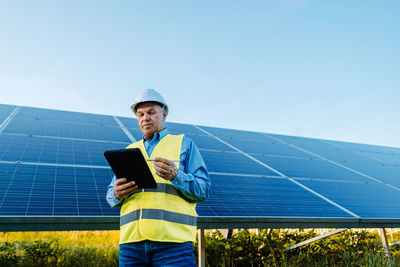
151 118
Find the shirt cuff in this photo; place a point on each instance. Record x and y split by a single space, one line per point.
180 179
112 200
181 184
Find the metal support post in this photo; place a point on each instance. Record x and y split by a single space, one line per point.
230 233
385 244
202 248
394 243
315 239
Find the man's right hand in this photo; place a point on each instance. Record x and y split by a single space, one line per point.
122 189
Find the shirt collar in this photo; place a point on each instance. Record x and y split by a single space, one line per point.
158 135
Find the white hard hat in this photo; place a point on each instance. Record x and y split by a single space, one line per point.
149 95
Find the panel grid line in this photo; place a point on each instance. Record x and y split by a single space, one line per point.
76 192
123 127
32 187
335 163
244 174
8 187
241 152
387 184
54 164
9 119
54 193
254 153
369 156
280 177
67 138
283 175
97 192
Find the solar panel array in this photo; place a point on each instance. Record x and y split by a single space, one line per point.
52 164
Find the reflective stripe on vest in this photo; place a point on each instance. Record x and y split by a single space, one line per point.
163 213
165 188
155 214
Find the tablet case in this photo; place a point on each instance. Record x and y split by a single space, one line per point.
130 164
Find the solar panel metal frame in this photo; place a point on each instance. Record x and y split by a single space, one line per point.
72 223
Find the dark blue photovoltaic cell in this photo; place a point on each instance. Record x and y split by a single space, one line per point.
387 159
208 142
136 133
48 190
180 128
201 141
309 168
66 129
130 122
253 196
388 174
54 150
66 116
366 147
300 141
365 200
5 111
102 178
236 134
229 162
6 175
267 148
172 127
325 149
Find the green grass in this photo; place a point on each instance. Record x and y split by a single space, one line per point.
267 248
264 247
59 248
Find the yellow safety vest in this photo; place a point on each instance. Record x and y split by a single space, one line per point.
160 214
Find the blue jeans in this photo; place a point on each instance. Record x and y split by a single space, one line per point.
152 253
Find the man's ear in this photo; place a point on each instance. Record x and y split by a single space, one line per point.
164 114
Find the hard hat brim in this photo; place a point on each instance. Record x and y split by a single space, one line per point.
136 105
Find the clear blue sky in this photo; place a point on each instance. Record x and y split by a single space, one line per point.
324 69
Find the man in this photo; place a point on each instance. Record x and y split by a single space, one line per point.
158 225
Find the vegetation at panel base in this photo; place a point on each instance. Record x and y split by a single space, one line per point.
263 247
266 247
95 248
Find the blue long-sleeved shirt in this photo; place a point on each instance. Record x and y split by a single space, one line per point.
192 177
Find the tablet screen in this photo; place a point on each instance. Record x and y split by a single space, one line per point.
130 164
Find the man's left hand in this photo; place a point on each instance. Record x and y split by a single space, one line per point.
165 168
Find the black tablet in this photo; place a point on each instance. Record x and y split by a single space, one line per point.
130 164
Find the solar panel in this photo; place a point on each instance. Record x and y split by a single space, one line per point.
52 172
